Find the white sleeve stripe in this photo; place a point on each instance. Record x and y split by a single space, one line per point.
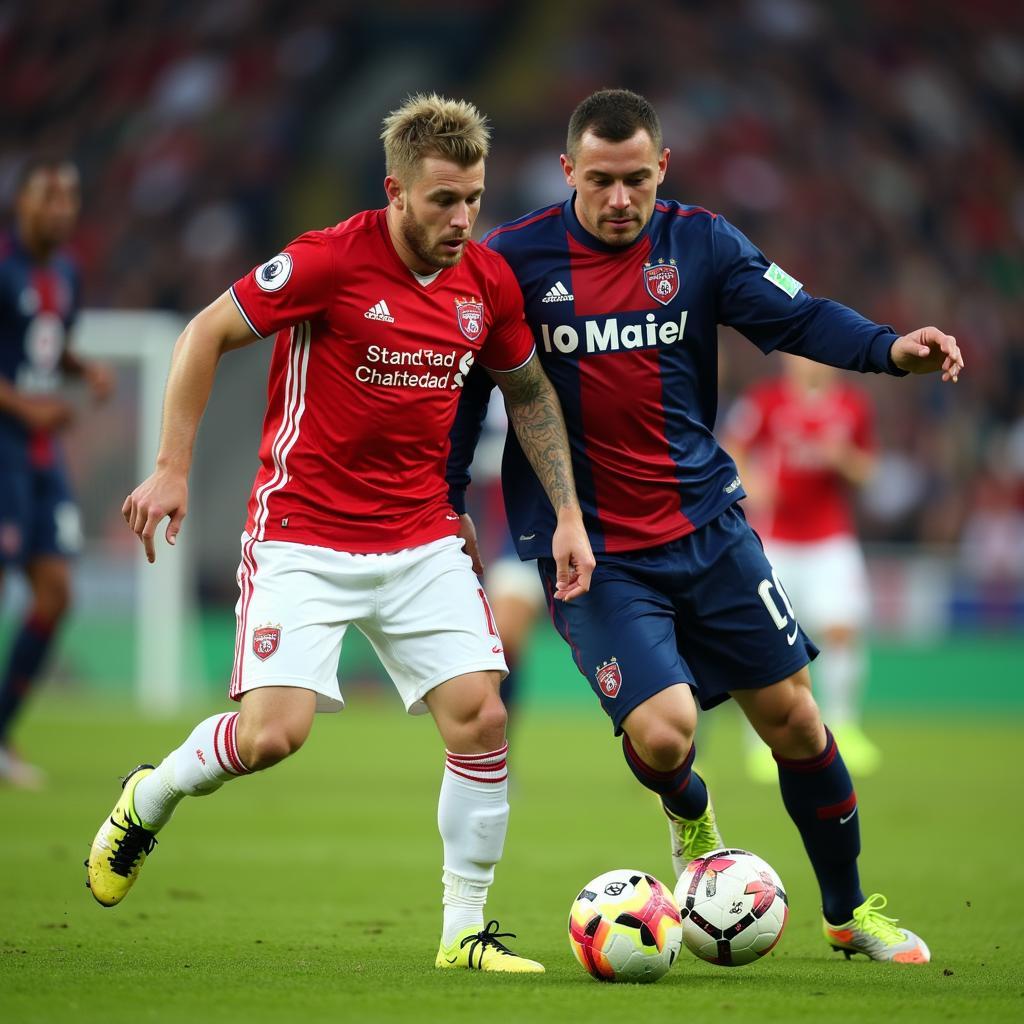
245 316
512 369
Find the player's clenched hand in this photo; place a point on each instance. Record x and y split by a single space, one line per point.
165 493
574 560
467 531
928 350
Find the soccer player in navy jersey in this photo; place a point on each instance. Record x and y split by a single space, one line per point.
39 523
624 292
378 320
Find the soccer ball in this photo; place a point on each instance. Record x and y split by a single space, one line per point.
733 907
624 926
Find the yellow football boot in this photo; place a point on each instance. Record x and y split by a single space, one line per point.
120 847
482 951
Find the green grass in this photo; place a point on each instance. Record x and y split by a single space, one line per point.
311 893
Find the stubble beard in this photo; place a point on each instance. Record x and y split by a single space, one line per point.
415 236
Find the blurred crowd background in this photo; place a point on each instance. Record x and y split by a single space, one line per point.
873 149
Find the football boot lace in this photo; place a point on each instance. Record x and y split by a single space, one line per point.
127 848
869 919
488 938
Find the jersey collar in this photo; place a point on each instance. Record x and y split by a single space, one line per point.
584 237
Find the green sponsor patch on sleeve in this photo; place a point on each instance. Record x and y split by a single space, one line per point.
782 280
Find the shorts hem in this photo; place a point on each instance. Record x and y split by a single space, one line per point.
325 702
415 705
759 683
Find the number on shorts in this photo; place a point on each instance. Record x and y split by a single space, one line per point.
491 626
764 590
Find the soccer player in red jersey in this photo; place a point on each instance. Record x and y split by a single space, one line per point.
378 321
802 443
625 292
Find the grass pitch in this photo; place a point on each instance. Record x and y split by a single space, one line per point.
311 893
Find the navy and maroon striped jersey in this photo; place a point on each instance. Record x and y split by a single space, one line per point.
628 336
38 306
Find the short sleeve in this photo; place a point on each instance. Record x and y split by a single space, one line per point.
509 343
295 285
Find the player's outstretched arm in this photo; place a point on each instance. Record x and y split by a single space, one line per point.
928 350
536 416
211 333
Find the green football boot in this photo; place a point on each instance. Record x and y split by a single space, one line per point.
692 839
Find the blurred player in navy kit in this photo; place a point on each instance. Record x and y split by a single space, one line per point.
39 525
624 293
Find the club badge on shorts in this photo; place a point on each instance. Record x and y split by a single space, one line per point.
662 281
470 315
265 641
609 678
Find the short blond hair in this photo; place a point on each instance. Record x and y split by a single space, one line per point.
431 125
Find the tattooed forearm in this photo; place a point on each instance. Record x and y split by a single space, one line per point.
536 416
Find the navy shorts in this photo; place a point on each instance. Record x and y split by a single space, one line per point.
706 609
38 514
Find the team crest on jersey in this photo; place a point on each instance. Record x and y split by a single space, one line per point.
662 281
470 315
274 273
609 678
265 641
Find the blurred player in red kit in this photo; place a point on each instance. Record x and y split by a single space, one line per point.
803 443
378 321
40 530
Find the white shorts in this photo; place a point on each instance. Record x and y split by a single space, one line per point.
422 609
510 577
826 580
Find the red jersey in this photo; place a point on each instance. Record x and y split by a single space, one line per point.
789 430
364 381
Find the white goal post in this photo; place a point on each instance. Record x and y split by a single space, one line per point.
145 341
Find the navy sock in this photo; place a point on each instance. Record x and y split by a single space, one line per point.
27 653
819 795
682 790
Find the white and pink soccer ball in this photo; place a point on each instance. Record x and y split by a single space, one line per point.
733 906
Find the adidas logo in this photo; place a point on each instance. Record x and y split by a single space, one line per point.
380 311
557 293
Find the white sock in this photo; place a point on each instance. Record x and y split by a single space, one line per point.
202 764
472 816
839 671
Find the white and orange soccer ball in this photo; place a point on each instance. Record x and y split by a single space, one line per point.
625 926
733 907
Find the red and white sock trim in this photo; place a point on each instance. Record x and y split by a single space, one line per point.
490 767
225 746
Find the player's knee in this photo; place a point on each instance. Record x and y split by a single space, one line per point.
268 744
663 746
487 727
52 601
801 734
